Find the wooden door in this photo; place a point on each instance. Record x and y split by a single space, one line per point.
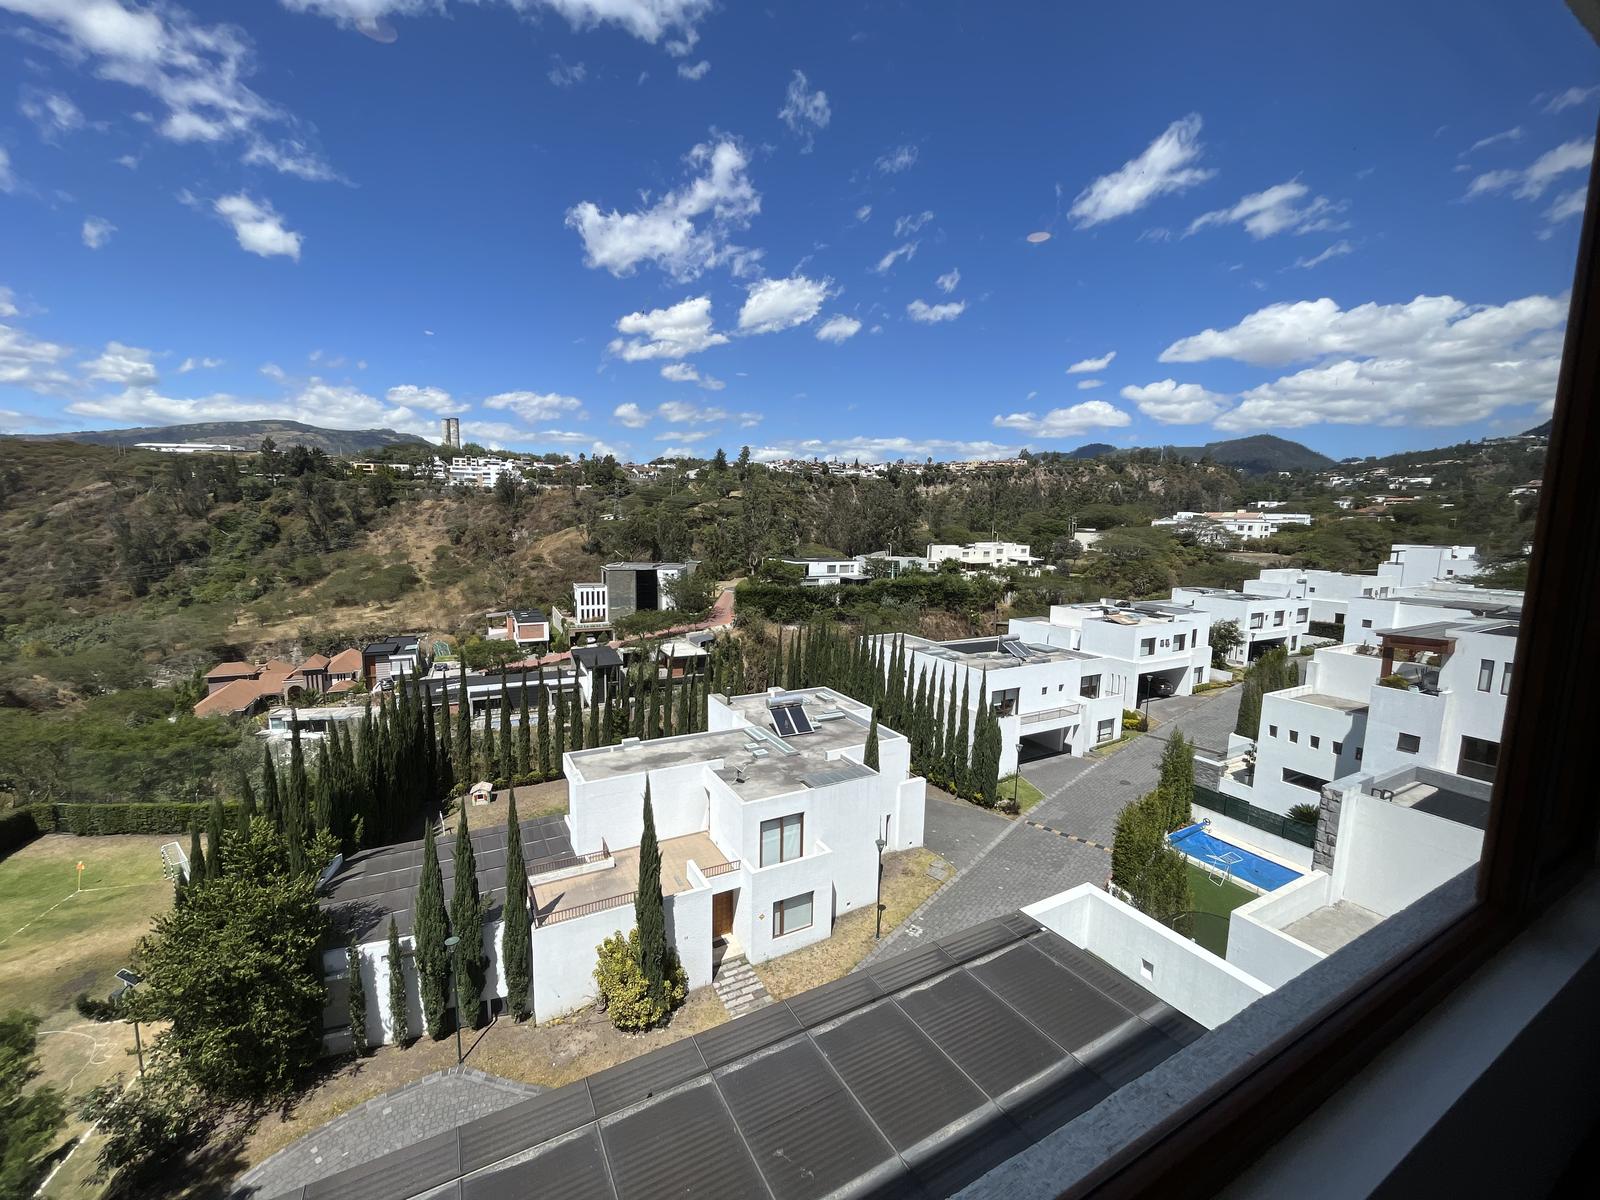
721 915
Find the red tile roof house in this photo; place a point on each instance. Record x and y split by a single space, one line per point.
241 689
527 627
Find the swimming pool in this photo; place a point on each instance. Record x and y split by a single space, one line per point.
1215 854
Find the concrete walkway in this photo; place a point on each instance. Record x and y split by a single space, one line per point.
1064 840
738 986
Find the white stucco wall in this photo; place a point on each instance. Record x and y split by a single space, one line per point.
611 810
1256 941
1388 857
564 960
1193 980
764 886
689 929
1290 713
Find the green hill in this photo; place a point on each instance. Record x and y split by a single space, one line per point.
245 434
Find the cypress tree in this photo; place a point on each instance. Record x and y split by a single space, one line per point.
507 766
870 756
544 728
610 732
214 840
652 728
322 790
937 716
197 858
447 747
488 750
951 733
297 801
961 776
358 999
271 803
1177 781
986 756
636 721
516 945
466 920
648 903
430 927
595 738
1249 720
575 720
399 1017
524 731
558 736
463 727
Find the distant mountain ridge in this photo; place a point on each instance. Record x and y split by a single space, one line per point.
248 434
1262 454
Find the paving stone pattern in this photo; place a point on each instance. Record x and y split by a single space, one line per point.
739 988
431 1105
1062 842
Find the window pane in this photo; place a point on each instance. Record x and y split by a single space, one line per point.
797 913
791 837
1485 674
771 845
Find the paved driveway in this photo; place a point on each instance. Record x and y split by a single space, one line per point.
1065 840
959 832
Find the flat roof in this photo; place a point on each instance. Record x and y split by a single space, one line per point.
987 653
1335 702
912 1076
1333 926
376 884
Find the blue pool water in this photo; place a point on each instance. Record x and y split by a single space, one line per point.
1251 868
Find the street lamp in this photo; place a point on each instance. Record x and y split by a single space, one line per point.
881 843
130 979
450 944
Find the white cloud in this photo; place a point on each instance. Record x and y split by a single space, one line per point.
647 20
97 232
1089 366
805 112
1432 361
948 281
1570 98
909 224
434 400
878 449
1334 251
838 329
901 158
682 372
1174 403
195 71
1514 134
1276 210
681 436
1085 385
8 302
631 415
1166 165
862 213
127 365
274 371
536 406
258 226
682 412
195 364
1530 183
52 113
777 304
686 231
26 361
8 177
932 314
675 332
694 73
1067 422
564 74
315 403
291 156
1568 204
907 252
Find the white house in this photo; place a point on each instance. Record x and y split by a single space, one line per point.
769 826
1369 615
1267 622
1146 648
1052 698
1409 570
467 471
624 588
1246 526
829 572
992 555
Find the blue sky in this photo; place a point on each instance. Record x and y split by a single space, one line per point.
645 226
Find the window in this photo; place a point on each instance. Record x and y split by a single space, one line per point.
1177 642
1147 646
1485 674
1103 732
1294 735
1277 617
1338 747
1272 731
1303 614
1089 688
791 915
781 839
1408 743
1358 753
1301 779
1367 624
1045 690
1479 758
1256 619
1505 679
1316 742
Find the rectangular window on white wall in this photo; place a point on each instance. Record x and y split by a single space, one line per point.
1505 679
780 839
791 915
1485 674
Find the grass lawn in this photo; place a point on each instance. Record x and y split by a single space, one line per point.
548 799
906 884
1109 748
1027 795
56 941
1218 900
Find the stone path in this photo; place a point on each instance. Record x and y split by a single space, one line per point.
1064 839
739 988
431 1105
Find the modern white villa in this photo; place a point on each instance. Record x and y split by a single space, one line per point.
1148 648
1409 569
829 572
770 826
1267 622
1240 526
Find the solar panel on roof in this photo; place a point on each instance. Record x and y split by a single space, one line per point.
802 723
1015 648
783 720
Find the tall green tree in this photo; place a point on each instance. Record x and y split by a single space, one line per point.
648 902
399 1003
961 777
869 756
558 736
516 944
198 871
524 731
1177 781
29 1115
271 802
544 728
466 920
358 999
430 927
214 831
508 759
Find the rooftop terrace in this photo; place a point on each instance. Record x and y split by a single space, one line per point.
993 653
618 876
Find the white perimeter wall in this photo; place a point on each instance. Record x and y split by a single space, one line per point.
1194 981
1388 857
1256 943
612 809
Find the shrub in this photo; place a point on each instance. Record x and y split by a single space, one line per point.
144 1128
625 993
91 820
1305 813
1133 719
1399 682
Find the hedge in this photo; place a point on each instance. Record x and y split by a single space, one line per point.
17 829
89 820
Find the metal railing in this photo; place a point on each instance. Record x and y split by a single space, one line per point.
558 915
543 866
721 868
1051 714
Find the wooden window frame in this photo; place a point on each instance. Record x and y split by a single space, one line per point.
780 915
1541 837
